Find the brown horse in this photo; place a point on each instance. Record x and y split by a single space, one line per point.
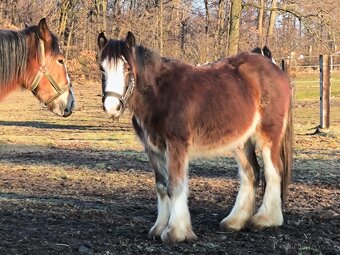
31 59
238 103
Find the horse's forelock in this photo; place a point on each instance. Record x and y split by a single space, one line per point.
138 58
114 50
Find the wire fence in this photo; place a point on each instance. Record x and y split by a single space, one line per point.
310 64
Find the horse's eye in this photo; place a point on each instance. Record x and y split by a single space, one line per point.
101 69
61 61
127 67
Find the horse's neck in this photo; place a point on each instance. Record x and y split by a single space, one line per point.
146 100
13 52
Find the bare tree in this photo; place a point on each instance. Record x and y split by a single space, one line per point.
260 22
193 30
272 20
234 29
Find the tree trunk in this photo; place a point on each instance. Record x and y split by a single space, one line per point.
63 19
101 7
1 12
234 30
260 23
207 26
104 9
161 27
218 33
272 20
70 34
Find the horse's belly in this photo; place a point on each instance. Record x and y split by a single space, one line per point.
209 145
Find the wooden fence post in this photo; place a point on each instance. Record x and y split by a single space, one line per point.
286 68
325 75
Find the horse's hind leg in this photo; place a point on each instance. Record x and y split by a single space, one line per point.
270 212
179 226
245 202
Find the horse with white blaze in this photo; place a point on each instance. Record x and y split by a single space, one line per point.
240 103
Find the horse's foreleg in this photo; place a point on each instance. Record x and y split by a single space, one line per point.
159 165
158 162
270 212
245 200
179 226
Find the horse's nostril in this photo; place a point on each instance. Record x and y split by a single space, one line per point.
67 113
118 107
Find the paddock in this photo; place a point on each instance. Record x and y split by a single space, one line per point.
83 184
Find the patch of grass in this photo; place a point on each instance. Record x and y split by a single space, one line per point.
308 86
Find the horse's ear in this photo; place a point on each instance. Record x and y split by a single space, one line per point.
130 40
257 50
267 51
102 40
43 31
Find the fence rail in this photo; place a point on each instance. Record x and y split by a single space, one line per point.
310 64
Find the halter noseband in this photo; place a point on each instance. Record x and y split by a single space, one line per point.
43 72
128 92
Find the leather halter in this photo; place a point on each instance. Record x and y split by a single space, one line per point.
128 92
43 72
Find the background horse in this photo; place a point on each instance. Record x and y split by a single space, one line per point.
31 59
179 111
265 51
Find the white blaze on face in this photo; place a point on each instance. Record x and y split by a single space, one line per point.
114 82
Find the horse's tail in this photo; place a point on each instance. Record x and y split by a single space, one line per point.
286 153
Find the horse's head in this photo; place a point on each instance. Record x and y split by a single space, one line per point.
46 74
117 64
265 51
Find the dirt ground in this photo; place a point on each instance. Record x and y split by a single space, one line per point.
83 185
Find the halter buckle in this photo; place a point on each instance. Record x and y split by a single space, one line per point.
43 69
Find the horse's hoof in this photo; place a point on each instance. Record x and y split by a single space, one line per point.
155 232
260 221
230 225
171 236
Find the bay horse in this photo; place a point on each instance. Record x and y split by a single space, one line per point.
31 59
241 103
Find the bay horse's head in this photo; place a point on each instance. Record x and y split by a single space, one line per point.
46 74
117 64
